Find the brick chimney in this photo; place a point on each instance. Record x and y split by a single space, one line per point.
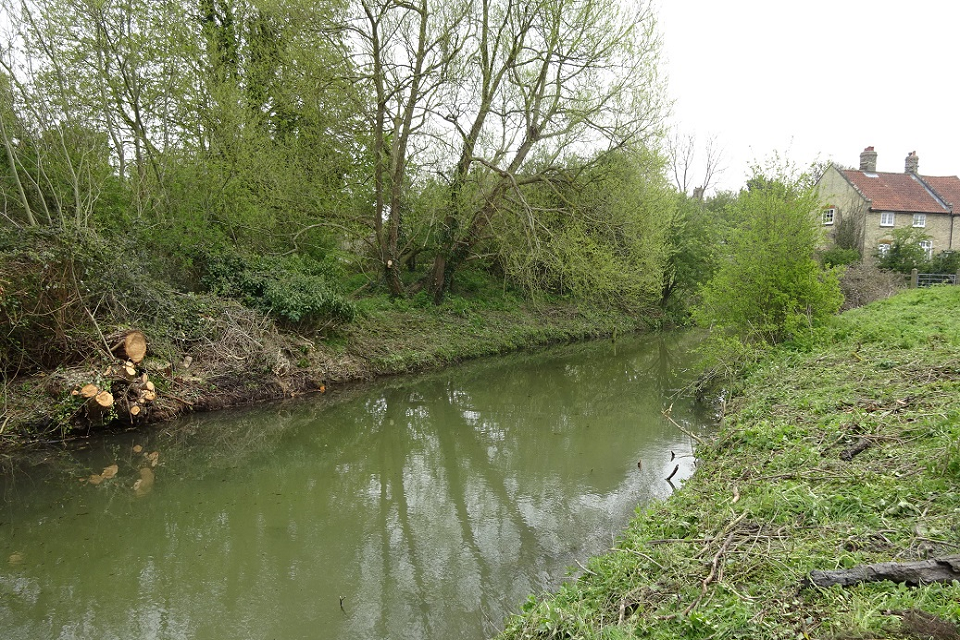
868 160
912 163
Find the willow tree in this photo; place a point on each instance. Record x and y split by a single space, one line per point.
603 231
556 78
493 95
405 53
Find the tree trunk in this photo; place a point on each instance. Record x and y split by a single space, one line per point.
391 271
456 250
437 285
945 569
11 160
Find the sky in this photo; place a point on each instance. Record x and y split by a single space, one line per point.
816 80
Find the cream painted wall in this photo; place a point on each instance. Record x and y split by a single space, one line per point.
943 229
834 190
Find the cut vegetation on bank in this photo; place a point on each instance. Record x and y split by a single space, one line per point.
838 451
92 341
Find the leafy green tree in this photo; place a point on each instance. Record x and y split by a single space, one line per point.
905 253
945 262
769 285
494 96
596 231
693 248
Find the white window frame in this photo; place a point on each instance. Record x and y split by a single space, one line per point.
919 220
927 246
829 215
883 248
888 218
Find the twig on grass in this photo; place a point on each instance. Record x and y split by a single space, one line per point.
945 569
686 432
672 540
728 534
642 555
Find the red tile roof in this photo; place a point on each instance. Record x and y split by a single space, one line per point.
948 188
903 191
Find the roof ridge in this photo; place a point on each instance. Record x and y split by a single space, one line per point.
901 191
933 192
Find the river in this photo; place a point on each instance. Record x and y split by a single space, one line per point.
424 507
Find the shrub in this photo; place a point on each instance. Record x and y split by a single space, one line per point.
769 286
61 288
905 253
945 262
292 289
837 257
42 299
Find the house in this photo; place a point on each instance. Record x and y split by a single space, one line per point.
862 208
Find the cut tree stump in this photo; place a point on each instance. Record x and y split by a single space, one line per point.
104 399
99 405
130 345
943 569
88 391
129 371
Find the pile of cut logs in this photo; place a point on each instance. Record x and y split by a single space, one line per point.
125 387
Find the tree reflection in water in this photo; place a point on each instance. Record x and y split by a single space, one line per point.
433 505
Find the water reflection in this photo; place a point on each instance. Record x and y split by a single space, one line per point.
432 505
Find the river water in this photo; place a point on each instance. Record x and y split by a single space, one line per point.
423 507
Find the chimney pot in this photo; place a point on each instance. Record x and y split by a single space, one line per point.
912 163
868 160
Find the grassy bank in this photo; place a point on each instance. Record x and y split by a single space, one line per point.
783 491
208 353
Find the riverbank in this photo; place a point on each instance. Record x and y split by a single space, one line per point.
235 356
838 452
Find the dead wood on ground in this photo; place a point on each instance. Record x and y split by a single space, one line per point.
943 569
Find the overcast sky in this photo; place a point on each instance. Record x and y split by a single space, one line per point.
817 80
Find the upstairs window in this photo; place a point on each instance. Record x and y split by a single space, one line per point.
887 218
829 215
919 219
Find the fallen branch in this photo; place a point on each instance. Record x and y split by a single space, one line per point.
943 569
731 531
716 568
666 414
859 446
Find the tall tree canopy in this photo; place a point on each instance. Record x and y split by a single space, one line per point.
435 129
492 95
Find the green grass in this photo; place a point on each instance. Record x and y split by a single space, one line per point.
235 351
773 498
410 334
